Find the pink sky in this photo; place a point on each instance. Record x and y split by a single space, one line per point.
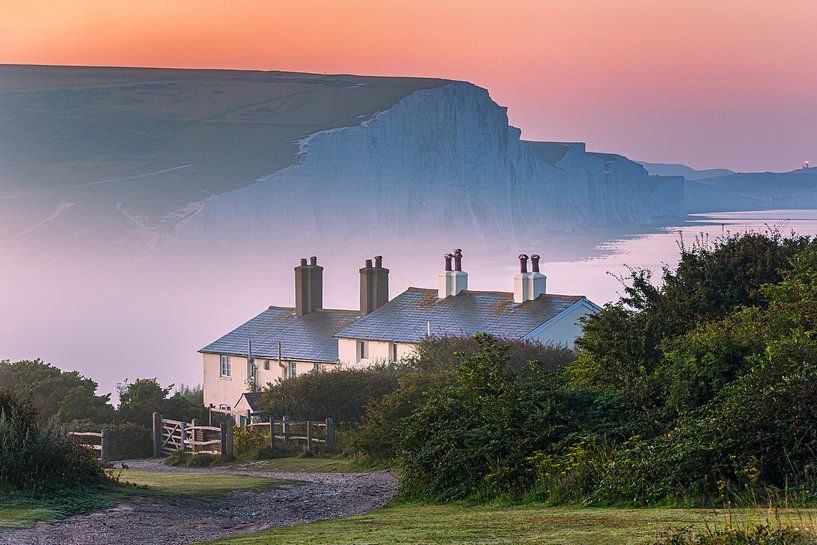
728 83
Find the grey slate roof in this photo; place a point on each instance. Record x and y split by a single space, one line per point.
405 318
307 337
253 400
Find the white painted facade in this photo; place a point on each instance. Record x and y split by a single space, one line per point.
349 352
224 391
564 328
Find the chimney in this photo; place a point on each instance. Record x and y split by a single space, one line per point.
528 286
451 282
308 286
374 285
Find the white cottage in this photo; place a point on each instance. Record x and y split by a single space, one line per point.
283 342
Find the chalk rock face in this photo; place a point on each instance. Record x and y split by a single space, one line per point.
441 164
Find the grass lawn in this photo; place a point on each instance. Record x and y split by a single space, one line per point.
459 525
23 512
296 464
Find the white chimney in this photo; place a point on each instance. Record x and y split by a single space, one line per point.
528 286
451 282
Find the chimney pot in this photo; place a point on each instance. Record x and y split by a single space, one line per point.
534 259
303 262
458 259
378 261
523 263
313 261
448 258
368 263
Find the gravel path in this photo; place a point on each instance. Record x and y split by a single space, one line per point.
174 521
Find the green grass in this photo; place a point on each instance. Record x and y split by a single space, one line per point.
296 465
23 512
411 524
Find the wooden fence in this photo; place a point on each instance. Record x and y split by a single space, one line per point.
287 431
99 441
172 435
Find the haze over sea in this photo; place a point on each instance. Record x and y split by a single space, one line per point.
116 318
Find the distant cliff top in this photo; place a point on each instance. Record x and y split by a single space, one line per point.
158 139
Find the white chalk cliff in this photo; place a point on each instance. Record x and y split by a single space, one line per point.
439 164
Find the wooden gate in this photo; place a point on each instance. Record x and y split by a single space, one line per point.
98 441
170 436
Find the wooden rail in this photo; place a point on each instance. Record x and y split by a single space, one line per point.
91 440
284 430
170 436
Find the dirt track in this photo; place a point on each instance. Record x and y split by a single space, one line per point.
173 521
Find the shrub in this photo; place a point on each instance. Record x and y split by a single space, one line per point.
340 394
35 458
129 440
192 459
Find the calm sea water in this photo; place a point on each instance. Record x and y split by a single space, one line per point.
595 277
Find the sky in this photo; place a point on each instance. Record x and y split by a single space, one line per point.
710 84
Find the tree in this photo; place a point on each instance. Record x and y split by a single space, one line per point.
62 395
138 400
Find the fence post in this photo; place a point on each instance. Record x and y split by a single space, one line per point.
247 422
271 433
64 428
157 435
106 443
230 438
284 428
330 434
309 436
195 435
224 438
209 416
183 434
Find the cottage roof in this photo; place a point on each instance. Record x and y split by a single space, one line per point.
303 338
408 317
253 400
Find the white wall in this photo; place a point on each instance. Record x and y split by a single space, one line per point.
565 330
220 390
378 352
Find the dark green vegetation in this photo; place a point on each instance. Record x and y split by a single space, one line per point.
67 397
34 458
457 524
700 391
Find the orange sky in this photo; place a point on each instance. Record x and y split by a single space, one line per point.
709 83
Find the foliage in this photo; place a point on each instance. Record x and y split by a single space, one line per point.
138 400
180 458
35 458
193 394
62 395
756 535
128 440
340 394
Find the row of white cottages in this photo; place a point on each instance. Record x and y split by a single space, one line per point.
283 342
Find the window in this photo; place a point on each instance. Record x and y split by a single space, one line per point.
317 367
224 407
224 370
266 365
362 350
393 352
293 369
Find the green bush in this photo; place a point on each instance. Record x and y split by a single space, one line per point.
192 459
35 458
756 535
129 440
340 394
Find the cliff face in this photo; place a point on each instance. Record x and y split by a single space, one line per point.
442 163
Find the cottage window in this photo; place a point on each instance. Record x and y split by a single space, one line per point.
293 369
224 369
393 352
224 407
266 365
317 367
362 350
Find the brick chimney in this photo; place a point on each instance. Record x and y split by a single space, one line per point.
528 286
451 282
308 286
374 285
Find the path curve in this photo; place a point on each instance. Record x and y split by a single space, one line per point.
176 521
